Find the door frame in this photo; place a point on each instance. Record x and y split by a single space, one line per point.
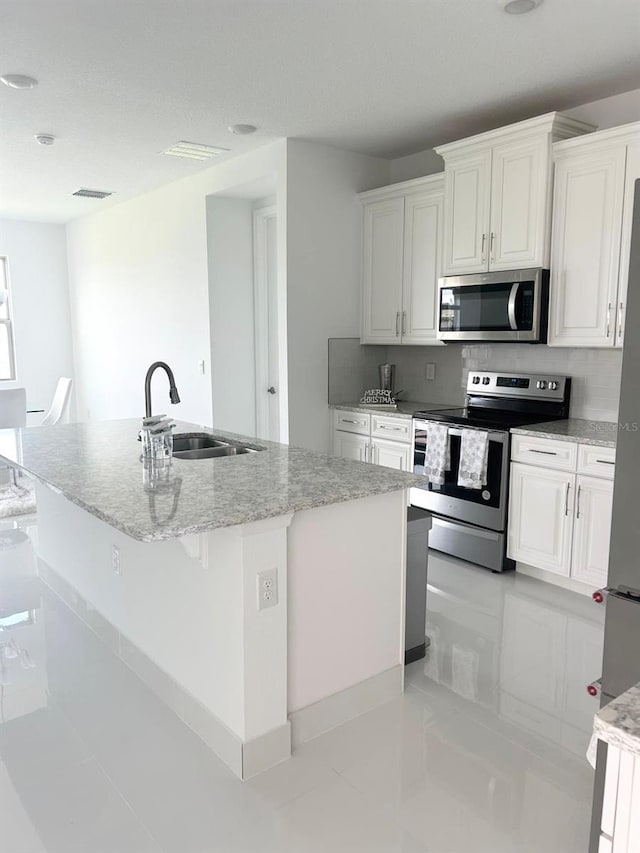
261 218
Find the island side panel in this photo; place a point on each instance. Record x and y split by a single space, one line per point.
188 605
346 586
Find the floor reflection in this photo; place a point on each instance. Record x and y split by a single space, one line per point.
484 753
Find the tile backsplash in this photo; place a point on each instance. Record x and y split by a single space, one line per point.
353 367
595 373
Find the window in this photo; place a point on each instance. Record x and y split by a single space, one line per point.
7 354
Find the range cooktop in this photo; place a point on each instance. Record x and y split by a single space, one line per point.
501 401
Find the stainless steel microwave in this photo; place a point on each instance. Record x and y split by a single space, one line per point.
508 306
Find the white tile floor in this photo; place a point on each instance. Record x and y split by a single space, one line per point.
484 753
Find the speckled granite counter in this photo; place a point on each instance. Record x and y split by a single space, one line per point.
406 408
618 723
601 433
97 467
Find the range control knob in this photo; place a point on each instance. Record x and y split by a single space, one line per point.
476 380
541 384
485 380
553 386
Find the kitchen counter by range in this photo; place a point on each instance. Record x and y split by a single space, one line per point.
618 723
600 433
406 408
261 595
97 466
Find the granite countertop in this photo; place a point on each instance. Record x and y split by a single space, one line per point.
406 408
618 723
97 466
601 433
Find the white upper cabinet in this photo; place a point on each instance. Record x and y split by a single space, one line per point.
422 264
592 213
498 195
402 261
632 174
383 247
468 195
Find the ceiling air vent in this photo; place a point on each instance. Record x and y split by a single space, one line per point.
85 193
194 151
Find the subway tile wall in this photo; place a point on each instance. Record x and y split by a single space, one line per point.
411 365
595 373
353 367
595 390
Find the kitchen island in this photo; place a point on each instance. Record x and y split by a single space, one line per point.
261 595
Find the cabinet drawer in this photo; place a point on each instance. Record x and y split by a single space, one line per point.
545 452
597 461
397 429
359 422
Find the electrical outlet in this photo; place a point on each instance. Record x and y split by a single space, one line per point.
115 560
430 371
267 588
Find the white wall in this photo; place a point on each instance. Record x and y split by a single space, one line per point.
323 272
608 112
37 254
140 292
230 251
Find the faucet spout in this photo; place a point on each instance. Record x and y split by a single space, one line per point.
174 397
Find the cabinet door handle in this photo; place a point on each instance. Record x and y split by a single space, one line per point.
578 502
566 500
605 462
366 453
609 320
397 323
347 421
545 452
393 428
491 245
484 240
404 322
620 309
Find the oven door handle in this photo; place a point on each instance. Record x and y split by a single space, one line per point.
515 287
457 431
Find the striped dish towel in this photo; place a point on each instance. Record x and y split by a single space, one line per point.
438 454
474 454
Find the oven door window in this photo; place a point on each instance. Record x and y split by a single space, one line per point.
487 307
489 495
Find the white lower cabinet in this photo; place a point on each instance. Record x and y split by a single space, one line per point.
391 454
541 517
351 446
560 517
392 451
592 530
620 825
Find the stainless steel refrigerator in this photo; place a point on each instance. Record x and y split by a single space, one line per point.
621 656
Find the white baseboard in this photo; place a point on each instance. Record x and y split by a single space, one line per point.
328 713
557 580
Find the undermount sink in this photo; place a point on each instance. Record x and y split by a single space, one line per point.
201 445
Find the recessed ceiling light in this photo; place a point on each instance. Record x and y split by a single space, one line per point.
194 151
19 81
242 129
520 7
44 138
85 193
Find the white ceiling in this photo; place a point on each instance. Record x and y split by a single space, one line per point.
120 80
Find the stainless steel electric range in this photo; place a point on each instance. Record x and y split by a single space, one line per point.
472 523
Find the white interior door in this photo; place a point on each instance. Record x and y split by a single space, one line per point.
266 323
